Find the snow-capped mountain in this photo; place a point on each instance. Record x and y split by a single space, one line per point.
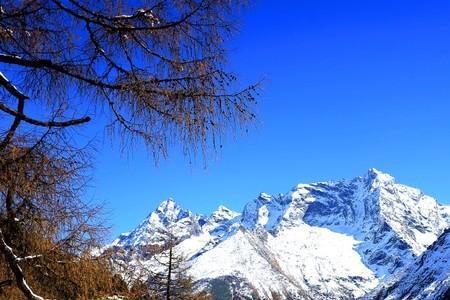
428 277
329 240
168 217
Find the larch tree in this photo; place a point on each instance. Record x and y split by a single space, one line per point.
168 276
155 69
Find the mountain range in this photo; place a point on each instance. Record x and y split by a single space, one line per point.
367 237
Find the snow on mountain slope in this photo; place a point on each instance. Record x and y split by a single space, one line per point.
329 240
324 260
169 216
393 222
428 278
245 256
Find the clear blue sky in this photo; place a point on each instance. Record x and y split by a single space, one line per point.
350 85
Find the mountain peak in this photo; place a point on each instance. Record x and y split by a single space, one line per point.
221 209
356 232
375 171
223 213
376 176
264 196
169 211
166 205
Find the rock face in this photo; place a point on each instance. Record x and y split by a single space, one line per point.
428 277
168 217
330 240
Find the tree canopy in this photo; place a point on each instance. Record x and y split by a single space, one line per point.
158 66
156 69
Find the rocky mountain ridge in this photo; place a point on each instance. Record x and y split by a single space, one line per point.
328 240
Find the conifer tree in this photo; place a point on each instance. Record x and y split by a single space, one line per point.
155 71
169 277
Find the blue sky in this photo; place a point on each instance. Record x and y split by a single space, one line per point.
349 85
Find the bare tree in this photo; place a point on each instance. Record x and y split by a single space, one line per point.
157 271
155 69
169 278
47 232
159 67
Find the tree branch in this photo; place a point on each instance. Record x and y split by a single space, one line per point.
100 18
11 88
9 136
5 283
45 63
32 121
13 263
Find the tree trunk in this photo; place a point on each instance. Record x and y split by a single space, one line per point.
169 275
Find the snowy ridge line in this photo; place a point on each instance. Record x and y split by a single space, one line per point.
326 240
